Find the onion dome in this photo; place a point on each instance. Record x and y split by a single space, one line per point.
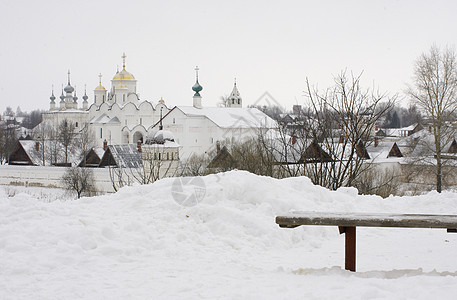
197 88
123 75
160 137
161 100
75 98
69 88
52 97
85 97
62 97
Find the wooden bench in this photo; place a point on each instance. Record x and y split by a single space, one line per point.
347 223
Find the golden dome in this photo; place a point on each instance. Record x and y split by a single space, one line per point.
100 88
123 75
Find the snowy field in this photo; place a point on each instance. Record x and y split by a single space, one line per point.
141 244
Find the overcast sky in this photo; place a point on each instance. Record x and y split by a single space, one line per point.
269 46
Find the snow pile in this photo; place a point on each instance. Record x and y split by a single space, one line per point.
140 244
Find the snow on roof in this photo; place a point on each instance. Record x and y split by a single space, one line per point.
105 119
125 156
234 117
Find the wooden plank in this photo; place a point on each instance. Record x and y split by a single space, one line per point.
368 220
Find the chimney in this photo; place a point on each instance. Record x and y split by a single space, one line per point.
376 141
105 145
218 147
294 139
37 146
138 145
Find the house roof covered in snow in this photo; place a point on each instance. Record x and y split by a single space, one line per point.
122 156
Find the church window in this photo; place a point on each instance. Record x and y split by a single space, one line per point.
233 101
168 156
174 120
159 156
103 98
155 156
212 140
76 125
141 121
172 155
239 101
123 98
101 132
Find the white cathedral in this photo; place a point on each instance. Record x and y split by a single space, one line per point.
120 117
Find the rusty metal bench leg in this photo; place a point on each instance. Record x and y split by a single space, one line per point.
349 253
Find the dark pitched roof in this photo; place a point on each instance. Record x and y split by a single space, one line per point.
362 151
93 158
315 153
453 147
223 159
395 151
122 156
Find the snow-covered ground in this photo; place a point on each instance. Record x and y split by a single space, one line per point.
140 243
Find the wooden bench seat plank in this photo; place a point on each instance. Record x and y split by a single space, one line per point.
367 220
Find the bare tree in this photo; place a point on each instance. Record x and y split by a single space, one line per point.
85 141
434 91
223 101
8 140
341 125
79 180
43 133
66 135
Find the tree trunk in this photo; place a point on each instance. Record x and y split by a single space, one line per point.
439 174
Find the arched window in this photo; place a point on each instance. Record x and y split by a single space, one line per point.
76 125
168 156
101 132
159 156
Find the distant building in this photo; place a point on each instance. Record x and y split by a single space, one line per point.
118 116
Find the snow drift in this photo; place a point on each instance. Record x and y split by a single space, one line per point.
141 243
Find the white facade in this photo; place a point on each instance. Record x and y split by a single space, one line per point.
118 116
198 129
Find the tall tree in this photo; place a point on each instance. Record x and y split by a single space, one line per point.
66 135
434 90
